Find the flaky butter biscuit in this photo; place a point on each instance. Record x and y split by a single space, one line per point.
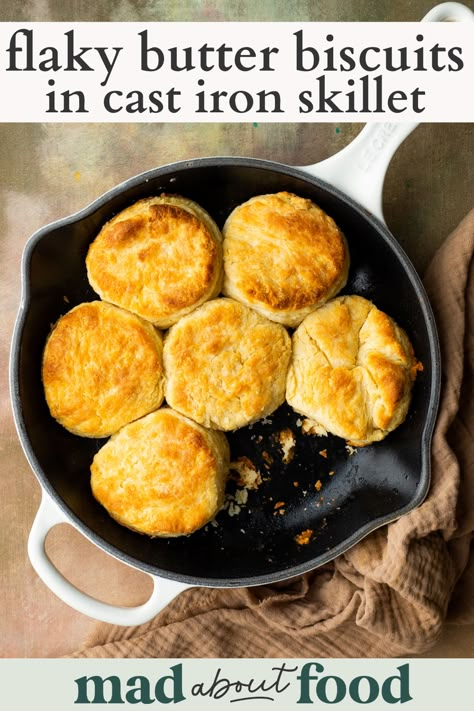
159 258
102 368
226 365
162 475
283 256
352 370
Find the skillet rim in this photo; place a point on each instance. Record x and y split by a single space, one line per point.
432 405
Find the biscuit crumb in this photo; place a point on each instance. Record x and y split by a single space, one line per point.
418 367
318 485
246 473
304 537
234 503
311 427
331 473
295 483
324 453
268 459
279 504
233 508
287 442
241 496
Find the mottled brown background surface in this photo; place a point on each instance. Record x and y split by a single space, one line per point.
49 171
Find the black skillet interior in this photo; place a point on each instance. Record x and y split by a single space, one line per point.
356 492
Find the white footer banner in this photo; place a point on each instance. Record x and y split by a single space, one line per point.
66 684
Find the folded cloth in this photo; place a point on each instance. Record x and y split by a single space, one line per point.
388 595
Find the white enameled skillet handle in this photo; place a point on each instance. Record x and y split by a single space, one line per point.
359 169
449 12
48 516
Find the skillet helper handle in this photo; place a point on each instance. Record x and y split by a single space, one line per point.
48 516
359 169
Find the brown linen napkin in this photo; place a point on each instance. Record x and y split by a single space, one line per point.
388 595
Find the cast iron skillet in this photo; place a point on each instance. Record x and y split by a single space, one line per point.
374 486
369 488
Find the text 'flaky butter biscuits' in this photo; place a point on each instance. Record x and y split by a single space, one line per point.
102 368
352 370
226 365
159 258
162 475
283 256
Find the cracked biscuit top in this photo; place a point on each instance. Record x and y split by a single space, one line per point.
283 256
226 365
102 368
159 258
352 370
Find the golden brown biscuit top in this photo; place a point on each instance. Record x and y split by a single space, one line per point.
226 365
352 370
156 258
283 251
162 475
102 367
